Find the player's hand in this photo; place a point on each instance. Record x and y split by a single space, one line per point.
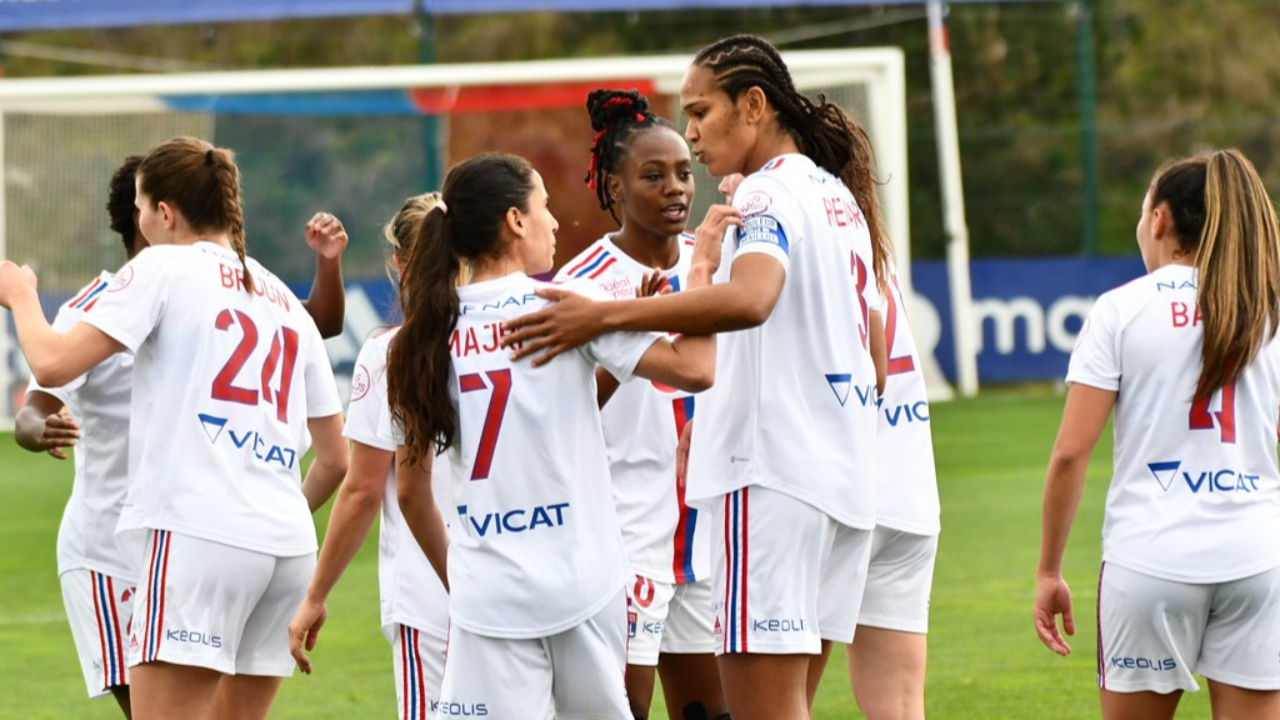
682 454
654 283
710 235
326 236
1053 598
304 629
569 322
729 185
60 431
13 281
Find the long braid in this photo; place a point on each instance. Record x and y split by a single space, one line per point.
822 131
615 115
227 177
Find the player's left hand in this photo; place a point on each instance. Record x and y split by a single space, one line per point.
326 235
654 283
60 431
14 280
1053 598
304 629
569 322
710 235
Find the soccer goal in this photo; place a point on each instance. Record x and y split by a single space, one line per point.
356 142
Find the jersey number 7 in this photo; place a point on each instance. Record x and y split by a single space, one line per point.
501 380
282 355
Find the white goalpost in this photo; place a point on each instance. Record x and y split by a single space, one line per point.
60 139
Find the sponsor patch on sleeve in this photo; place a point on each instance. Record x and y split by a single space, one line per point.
763 229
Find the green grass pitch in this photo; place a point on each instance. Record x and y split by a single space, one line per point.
984 660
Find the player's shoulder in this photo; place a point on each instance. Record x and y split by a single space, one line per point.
86 297
379 342
592 262
585 286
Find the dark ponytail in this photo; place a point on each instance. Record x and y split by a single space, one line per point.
476 196
615 115
822 131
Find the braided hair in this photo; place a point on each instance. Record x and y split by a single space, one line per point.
822 131
615 116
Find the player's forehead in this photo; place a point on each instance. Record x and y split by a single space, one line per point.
699 88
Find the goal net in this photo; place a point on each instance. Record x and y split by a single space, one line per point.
356 142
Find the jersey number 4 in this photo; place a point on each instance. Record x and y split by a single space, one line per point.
282 356
501 385
1202 418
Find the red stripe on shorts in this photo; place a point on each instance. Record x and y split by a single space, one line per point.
102 635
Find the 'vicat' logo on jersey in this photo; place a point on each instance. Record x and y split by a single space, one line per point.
265 451
842 383
514 521
1206 481
907 413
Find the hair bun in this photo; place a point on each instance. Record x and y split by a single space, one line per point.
208 157
609 107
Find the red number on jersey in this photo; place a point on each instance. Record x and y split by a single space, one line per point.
1202 419
501 380
859 271
285 343
902 363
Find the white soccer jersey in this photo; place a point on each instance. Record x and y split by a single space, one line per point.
665 539
539 550
99 401
794 407
1196 495
411 593
224 383
907 494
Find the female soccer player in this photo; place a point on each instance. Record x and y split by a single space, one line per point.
641 168
227 367
783 447
887 660
415 607
536 571
1187 357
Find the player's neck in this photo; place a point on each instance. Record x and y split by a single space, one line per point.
493 268
648 249
773 142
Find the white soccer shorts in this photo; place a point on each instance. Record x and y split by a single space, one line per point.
98 609
667 618
578 674
786 576
899 581
210 605
1153 633
418 659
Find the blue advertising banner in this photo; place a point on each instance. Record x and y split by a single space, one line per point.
17 15
1028 311
57 14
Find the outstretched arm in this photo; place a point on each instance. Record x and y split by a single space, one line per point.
359 500
1083 418
327 302
55 359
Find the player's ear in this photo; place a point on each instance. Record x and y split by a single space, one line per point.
752 104
168 215
614 184
1161 221
514 222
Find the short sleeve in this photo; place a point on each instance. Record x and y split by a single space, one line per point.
321 388
368 417
770 224
618 352
64 321
1095 361
134 301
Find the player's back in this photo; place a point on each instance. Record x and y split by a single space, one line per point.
1196 491
539 549
225 380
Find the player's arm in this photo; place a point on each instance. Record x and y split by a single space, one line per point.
359 500
41 425
55 359
327 302
330 463
879 353
418 506
745 301
1083 419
